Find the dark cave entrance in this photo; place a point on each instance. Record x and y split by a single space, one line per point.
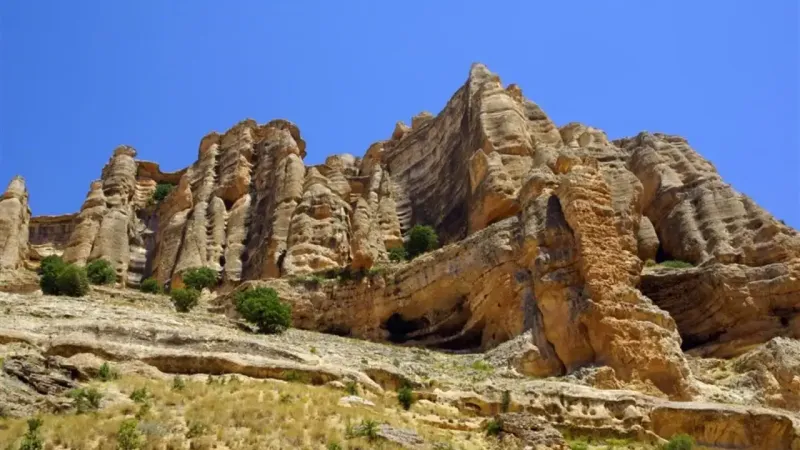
661 254
399 328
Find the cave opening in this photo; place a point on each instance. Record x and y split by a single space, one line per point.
228 204
399 328
661 254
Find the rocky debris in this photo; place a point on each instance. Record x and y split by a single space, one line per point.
14 218
30 382
402 437
770 372
354 400
534 432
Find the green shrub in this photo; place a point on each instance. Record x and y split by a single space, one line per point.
493 427
184 299
579 445
333 446
178 384
200 277
351 387
162 191
650 263
397 254
100 271
422 239
85 399
129 437
406 397
72 281
262 307
140 395
49 269
368 428
107 373
674 264
679 442
150 285
32 440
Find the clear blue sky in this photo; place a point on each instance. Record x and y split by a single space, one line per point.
81 77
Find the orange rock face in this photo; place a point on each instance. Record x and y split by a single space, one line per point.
546 233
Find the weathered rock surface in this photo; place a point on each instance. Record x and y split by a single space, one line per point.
14 218
547 227
534 431
724 309
52 343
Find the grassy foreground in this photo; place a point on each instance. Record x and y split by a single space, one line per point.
238 413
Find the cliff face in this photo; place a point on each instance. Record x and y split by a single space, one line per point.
548 231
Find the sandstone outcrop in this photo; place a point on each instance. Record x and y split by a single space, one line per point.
546 233
14 218
722 310
51 344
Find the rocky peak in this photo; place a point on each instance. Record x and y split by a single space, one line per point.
547 232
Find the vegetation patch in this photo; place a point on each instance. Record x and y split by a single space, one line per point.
72 281
100 271
421 239
262 307
184 299
49 269
162 191
150 286
398 254
675 264
200 278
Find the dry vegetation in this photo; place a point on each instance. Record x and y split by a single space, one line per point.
240 413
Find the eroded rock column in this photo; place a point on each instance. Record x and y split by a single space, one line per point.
14 218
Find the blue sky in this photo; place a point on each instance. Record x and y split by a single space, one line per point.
79 78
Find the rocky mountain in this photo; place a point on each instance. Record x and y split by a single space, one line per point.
554 239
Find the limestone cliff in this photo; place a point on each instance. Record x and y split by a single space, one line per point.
547 230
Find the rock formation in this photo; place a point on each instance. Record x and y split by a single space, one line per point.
547 232
14 218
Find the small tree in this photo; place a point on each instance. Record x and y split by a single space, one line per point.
262 307
72 281
100 271
151 286
32 440
162 191
422 239
129 437
406 397
397 254
200 277
184 299
49 269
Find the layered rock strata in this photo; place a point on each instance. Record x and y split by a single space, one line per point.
548 229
